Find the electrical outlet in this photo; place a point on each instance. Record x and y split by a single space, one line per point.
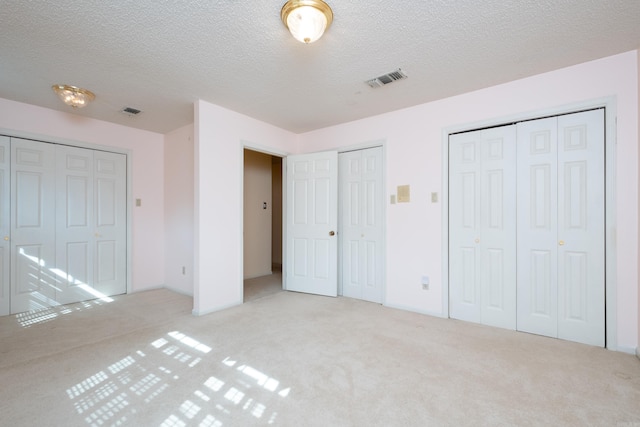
425 283
184 270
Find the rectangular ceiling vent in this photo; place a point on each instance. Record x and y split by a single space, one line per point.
387 78
130 111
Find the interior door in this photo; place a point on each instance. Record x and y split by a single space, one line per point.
482 226
311 225
361 224
33 282
5 231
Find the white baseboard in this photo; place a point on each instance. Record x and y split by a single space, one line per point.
414 310
149 288
180 291
213 310
255 276
628 350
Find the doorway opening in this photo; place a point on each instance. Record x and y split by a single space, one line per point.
262 225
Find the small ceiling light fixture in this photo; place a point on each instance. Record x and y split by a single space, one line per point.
73 96
306 19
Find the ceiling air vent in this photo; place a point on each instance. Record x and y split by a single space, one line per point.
387 78
130 111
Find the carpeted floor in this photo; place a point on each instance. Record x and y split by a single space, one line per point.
290 359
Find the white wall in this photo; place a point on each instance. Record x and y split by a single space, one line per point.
257 220
414 156
146 149
220 136
178 210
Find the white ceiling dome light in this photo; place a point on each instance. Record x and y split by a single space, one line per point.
306 19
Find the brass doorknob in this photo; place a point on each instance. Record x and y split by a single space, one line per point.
6 238
561 242
477 240
332 233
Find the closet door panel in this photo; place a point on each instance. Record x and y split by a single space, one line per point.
33 277
110 227
581 233
5 224
371 237
498 227
482 226
350 190
465 170
360 235
74 215
537 250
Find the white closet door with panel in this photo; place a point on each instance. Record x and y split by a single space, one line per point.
361 224
74 220
538 226
34 282
581 227
62 223
561 235
5 224
482 226
110 223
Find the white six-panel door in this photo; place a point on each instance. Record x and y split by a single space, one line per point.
361 224
561 277
110 223
482 226
34 285
74 223
312 219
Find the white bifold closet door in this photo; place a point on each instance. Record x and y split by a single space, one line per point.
561 235
90 223
482 191
361 224
5 224
33 280
63 224
531 259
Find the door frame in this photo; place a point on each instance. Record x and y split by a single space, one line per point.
610 107
276 153
244 144
129 184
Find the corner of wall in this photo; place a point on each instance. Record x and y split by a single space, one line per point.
638 218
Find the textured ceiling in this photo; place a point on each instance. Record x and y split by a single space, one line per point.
160 56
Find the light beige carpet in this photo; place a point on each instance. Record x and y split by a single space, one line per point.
291 359
262 286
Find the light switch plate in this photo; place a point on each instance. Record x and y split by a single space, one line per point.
434 197
393 199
